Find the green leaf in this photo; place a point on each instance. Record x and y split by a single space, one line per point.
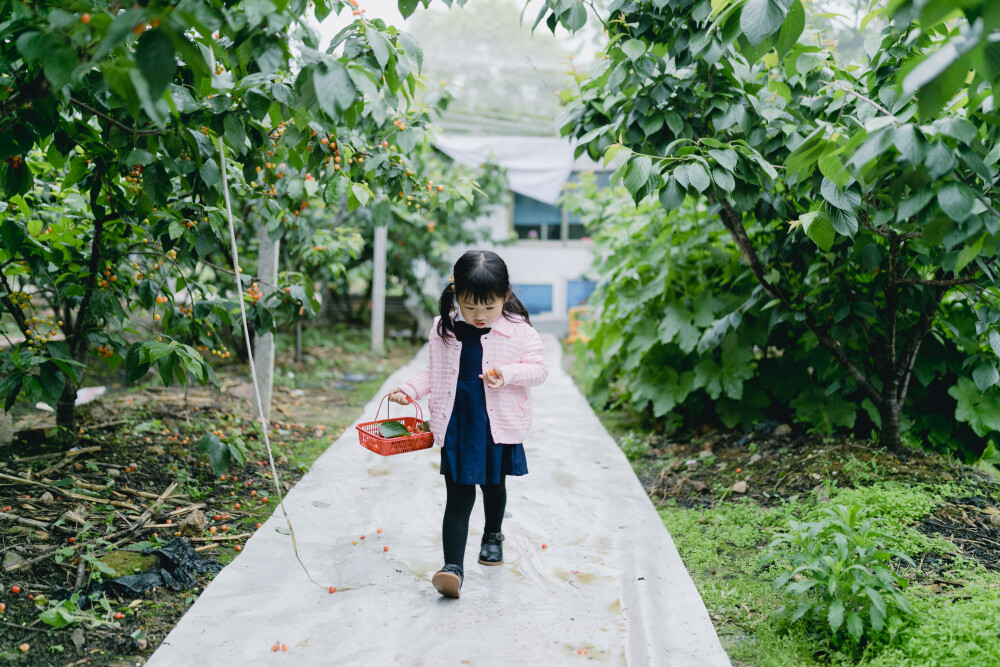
672 195
725 157
985 375
845 200
836 614
634 48
335 91
760 19
638 173
956 200
407 7
13 234
831 167
791 28
698 177
392 429
854 625
136 363
575 17
210 173
380 46
981 411
969 253
334 190
154 54
909 144
218 452
818 228
995 341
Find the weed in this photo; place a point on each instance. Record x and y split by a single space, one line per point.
837 569
633 445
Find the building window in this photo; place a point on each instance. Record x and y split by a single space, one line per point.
538 221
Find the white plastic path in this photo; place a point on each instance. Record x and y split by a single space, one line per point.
609 581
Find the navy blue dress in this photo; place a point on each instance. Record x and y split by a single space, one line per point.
469 455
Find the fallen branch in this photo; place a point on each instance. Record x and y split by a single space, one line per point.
218 538
107 538
72 452
70 494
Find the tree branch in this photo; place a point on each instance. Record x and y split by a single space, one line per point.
904 371
734 224
135 132
936 283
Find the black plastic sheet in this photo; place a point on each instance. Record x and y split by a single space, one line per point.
177 563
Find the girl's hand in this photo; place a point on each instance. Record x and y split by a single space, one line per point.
493 378
399 397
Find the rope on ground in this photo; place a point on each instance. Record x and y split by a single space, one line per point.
253 368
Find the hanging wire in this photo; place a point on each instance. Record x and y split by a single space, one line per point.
253 368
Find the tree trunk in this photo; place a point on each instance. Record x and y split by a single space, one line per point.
890 435
298 340
66 408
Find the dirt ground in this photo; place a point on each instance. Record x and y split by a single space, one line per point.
772 463
135 480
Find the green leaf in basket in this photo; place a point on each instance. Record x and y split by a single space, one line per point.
427 427
392 429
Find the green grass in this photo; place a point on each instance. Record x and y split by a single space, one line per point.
722 548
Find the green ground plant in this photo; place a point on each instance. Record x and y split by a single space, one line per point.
839 573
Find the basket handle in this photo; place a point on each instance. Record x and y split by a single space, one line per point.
420 413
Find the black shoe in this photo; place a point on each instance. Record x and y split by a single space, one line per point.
491 552
448 580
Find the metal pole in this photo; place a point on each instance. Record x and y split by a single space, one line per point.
378 290
263 345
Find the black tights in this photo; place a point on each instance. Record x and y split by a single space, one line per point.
458 509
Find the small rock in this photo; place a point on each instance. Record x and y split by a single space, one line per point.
243 390
697 485
994 519
740 487
79 639
77 466
754 459
10 560
142 643
782 430
282 460
46 498
155 449
113 472
816 475
692 463
193 523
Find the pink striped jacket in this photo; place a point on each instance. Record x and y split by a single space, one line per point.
515 348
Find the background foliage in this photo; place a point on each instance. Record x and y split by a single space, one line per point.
864 209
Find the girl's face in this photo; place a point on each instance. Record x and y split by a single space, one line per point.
480 314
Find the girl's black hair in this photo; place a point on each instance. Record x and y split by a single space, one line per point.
481 276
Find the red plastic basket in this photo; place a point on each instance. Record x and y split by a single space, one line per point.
370 438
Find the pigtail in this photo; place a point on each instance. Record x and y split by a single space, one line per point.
446 304
513 306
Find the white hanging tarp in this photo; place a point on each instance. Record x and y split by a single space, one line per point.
537 167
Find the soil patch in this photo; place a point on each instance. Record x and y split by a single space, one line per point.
136 479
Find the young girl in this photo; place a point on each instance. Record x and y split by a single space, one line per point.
484 356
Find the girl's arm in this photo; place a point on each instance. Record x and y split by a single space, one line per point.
531 370
418 386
